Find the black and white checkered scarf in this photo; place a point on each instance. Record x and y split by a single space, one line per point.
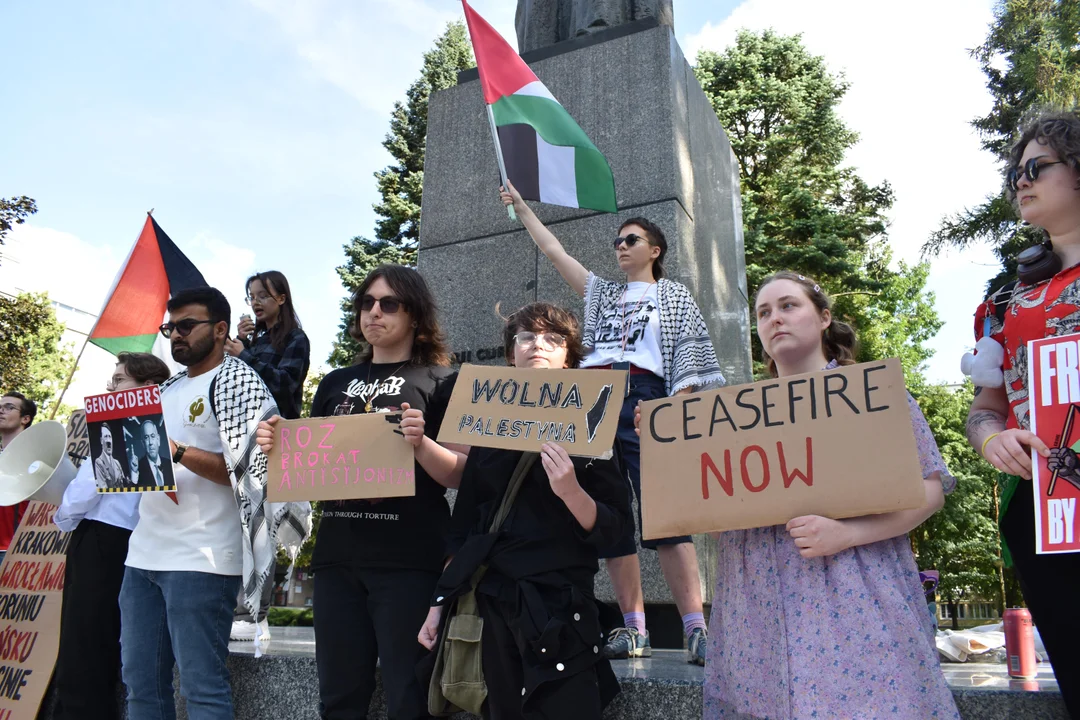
240 401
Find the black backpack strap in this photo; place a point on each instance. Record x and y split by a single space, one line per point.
1001 299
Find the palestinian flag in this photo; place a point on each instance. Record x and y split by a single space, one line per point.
547 155
154 271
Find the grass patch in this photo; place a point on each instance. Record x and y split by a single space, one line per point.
290 617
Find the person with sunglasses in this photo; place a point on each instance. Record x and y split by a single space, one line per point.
376 562
275 345
652 327
190 553
1043 181
100 525
542 634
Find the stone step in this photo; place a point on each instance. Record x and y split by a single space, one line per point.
284 684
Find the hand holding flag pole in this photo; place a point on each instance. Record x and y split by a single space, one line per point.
499 157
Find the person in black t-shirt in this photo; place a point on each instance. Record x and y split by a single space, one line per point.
541 642
376 562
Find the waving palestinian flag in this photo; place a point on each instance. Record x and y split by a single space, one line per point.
548 156
153 272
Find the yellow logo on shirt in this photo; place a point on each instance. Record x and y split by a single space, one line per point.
197 414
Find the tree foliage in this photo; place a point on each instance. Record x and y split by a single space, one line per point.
1031 61
32 359
400 184
14 211
803 209
961 540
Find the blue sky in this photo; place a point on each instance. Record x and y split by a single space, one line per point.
253 129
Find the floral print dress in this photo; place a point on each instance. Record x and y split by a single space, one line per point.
844 636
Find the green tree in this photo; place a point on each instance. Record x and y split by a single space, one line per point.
32 359
14 211
962 540
1031 61
400 184
803 210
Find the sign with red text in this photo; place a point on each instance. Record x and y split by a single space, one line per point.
1054 399
31 596
345 457
521 409
129 446
836 443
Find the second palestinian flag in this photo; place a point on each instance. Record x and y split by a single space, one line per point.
548 156
153 272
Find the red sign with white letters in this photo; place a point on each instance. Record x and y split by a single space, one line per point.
1054 394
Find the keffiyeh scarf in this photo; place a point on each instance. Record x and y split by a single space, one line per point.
240 400
685 347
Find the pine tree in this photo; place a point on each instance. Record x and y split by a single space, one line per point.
1031 60
400 184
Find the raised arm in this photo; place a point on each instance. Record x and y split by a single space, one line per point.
573 272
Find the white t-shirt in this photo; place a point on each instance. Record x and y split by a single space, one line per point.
635 321
202 532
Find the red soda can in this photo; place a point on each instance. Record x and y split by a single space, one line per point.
1020 643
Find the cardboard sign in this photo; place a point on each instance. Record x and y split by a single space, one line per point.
31 595
837 443
345 457
128 442
1054 396
520 409
78 438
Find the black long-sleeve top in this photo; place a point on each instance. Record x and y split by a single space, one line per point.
283 370
540 534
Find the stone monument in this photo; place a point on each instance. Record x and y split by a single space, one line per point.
541 23
632 91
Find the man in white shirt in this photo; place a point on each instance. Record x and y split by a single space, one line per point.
88 661
185 557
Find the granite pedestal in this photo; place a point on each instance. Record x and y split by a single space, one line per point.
284 684
634 94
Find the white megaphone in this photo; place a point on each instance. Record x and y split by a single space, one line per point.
35 465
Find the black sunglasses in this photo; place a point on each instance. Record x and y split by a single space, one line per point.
184 327
389 305
1032 168
630 240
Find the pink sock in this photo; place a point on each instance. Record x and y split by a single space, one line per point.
635 620
692 621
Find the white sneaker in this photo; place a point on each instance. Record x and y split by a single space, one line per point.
244 630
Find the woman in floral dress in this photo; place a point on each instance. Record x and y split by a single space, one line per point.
824 618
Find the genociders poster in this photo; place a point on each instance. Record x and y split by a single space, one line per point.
1054 396
129 445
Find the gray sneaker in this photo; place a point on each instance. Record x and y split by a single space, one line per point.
695 646
625 643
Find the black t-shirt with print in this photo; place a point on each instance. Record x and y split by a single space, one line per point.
406 532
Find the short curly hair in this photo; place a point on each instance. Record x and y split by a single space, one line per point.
1060 131
545 317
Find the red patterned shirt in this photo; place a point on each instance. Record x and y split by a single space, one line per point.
1047 309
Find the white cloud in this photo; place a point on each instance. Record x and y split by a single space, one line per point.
372 49
914 90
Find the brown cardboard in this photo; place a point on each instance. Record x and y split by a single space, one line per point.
345 457
78 438
521 409
31 595
787 448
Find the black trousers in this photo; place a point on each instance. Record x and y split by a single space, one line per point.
577 697
1051 586
88 663
364 614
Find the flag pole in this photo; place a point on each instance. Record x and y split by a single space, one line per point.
499 157
71 375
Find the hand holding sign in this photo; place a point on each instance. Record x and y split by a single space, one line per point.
264 435
1008 451
817 536
412 425
559 469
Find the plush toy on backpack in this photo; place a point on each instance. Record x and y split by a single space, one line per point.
984 367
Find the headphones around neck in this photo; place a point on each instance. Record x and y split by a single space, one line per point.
1037 263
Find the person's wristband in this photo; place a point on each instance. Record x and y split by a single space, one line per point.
180 448
987 442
